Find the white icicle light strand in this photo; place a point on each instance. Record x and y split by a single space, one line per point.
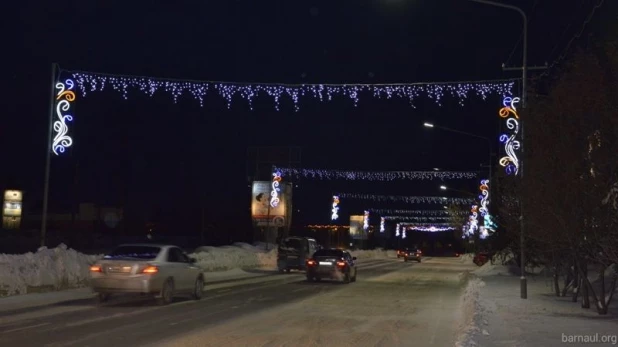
408 199
410 218
384 212
375 176
95 82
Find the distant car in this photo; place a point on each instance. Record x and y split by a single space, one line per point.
158 270
332 264
412 254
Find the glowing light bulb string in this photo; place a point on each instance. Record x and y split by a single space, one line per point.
409 218
88 81
407 199
349 175
442 212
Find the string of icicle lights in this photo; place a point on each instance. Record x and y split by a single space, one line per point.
431 229
384 212
407 199
420 219
426 224
324 174
88 82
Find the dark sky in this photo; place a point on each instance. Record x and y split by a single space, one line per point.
160 158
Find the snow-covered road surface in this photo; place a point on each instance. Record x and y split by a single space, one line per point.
392 304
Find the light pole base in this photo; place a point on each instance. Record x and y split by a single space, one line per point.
523 284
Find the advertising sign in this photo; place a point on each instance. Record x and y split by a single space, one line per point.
262 210
357 231
12 209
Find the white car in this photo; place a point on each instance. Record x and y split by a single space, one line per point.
158 270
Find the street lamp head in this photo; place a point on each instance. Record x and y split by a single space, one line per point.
443 187
428 125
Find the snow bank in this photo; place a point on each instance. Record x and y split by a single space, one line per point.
240 255
470 309
373 254
467 258
63 268
57 268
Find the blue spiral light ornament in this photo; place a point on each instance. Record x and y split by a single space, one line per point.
274 194
510 162
64 97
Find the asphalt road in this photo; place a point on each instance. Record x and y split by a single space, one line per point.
138 322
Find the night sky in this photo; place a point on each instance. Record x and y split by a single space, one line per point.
157 158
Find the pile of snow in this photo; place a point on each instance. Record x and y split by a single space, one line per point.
57 268
63 268
470 308
467 258
374 253
240 255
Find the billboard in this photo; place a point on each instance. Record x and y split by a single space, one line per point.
12 209
262 213
357 231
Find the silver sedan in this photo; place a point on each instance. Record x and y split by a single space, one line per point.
159 270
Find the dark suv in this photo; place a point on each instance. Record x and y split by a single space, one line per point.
412 254
332 264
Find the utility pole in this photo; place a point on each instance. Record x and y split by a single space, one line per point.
50 134
524 102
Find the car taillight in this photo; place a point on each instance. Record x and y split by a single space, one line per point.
311 262
96 268
341 263
150 270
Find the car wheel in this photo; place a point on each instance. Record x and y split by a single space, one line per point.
281 271
167 292
419 260
198 290
309 278
346 278
405 260
288 270
102 298
354 278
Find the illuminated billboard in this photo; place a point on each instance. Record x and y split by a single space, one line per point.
12 209
357 231
262 211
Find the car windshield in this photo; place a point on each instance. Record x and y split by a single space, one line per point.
138 252
328 253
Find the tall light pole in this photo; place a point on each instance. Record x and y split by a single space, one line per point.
524 98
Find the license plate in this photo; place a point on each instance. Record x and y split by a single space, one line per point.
325 263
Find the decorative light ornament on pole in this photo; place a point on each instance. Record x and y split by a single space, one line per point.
274 194
64 98
335 209
403 232
96 82
366 221
510 162
397 230
408 199
382 226
349 175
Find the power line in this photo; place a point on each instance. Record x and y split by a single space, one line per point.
562 56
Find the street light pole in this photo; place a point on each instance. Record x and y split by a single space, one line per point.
50 137
524 99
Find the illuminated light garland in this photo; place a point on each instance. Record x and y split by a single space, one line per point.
426 224
432 229
408 218
473 221
397 230
489 224
335 209
274 194
64 97
366 220
375 176
96 82
416 212
408 199
483 234
510 162
328 226
484 197
403 233
382 226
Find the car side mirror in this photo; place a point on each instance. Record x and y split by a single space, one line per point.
353 258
